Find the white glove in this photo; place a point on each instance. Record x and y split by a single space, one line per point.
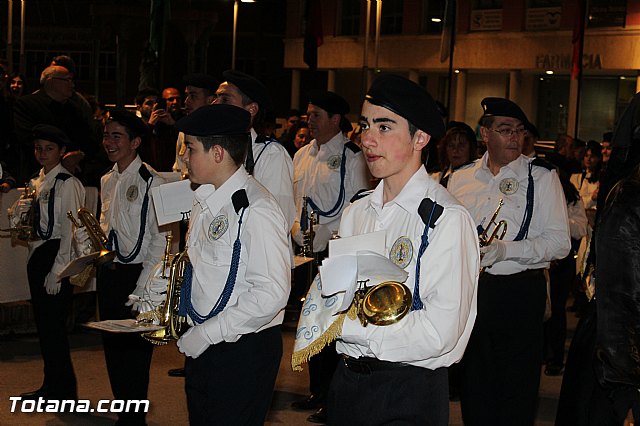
194 342
320 241
493 253
136 299
155 290
52 283
83 242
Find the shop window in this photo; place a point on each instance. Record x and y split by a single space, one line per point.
350 17
607 13
486 15
391 17
432 16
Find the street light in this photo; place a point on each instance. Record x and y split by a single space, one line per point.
235 24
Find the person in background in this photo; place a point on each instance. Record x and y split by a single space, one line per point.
288 132
458 148
586 182
56 193
329 170
606 148
501 366
17 85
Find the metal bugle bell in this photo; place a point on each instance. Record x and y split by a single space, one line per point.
383 304
499 230
96 235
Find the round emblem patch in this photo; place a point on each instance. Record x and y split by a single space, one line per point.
509 186
218 227
401 252
132 193
334 162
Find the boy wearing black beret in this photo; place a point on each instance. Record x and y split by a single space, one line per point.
56 192
238 246
397 373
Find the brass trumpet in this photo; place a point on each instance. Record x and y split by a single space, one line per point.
23 229
174 324
309 234
382 304
499 230
96 235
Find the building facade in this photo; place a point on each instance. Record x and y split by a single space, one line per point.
518 49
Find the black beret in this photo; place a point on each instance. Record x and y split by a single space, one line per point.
128 119
216 120
250 86
203 81
532 129
500 107
329 101
50 133
407 99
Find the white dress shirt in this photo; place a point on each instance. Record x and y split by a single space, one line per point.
69 196
274 170
122 196
263 280
317 175
548 238
437 335
585 189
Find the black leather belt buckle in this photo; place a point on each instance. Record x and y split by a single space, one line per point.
357 366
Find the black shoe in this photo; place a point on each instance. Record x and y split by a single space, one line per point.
176 372
319 416
40 393
311 402
553 370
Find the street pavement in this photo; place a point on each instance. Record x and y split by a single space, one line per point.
21 371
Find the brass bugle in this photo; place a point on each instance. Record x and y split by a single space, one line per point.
499 230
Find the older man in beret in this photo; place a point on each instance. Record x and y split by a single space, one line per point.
501 368
397 373
127 219
267 160
328 171
235 302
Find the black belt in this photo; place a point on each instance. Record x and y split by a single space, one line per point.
365 365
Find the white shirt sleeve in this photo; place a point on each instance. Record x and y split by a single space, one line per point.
72 197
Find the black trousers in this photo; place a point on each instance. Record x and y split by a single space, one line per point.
128 355
232 383
385 393
50 313
501 365
562 275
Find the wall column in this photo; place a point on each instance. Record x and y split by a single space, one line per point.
295 89
572 108
514 86
331 80
460 101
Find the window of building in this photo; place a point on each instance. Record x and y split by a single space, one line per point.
543 15
432 16
350 17
607 13
487 4
486 15
391 17
545 3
